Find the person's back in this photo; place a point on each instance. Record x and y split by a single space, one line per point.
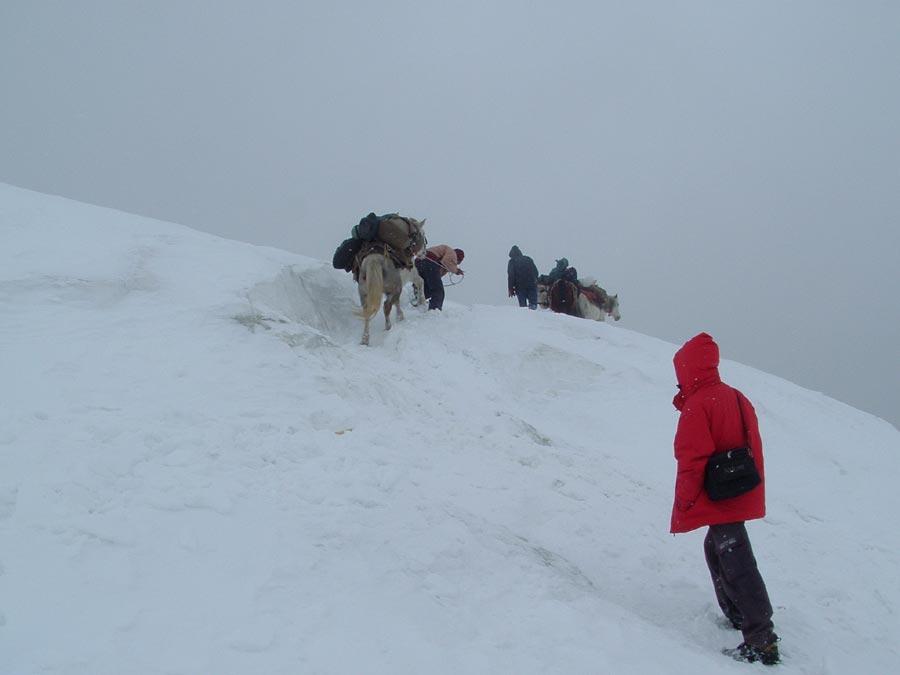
448 258
556 273
522 274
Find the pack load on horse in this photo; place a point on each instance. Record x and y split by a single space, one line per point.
392 232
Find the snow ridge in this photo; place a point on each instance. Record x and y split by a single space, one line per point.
204 472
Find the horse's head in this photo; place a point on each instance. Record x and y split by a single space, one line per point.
613 304
417 237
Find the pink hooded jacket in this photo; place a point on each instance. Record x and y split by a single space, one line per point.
446 256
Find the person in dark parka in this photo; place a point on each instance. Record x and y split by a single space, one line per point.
715 417
522 274
557 272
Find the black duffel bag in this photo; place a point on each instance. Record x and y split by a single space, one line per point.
345 254
730 474
733 472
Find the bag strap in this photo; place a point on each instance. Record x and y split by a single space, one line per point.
743 421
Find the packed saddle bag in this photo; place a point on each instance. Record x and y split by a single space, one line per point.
366 230
346 253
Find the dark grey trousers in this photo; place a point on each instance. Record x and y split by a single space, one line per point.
740 588
433 286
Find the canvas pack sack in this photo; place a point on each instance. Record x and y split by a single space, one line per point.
731 473
345 253
367 230
395 232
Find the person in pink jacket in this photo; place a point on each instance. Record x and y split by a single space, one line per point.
437 262
714 418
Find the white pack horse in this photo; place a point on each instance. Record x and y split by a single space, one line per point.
587 309
381 275
595 303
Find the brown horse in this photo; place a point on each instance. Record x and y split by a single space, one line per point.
563 297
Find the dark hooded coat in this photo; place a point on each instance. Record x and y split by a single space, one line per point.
521 272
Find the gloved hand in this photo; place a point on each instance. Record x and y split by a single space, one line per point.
512 292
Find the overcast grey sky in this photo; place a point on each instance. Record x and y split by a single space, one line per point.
731 167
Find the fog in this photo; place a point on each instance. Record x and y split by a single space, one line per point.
727 167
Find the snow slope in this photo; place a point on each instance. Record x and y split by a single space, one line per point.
203 472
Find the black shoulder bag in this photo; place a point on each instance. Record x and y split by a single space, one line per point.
733 472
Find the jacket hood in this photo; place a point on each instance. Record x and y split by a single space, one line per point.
514 252
697 363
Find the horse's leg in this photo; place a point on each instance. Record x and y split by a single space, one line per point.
420 287
371 285
395 300
361 287
363 297
388 306
393 287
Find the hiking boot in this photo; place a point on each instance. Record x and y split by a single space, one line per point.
747 653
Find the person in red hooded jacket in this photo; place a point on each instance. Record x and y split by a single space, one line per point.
715 417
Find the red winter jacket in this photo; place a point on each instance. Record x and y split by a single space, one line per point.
710 422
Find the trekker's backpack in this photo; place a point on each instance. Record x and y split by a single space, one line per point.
367 230
345 254
394 231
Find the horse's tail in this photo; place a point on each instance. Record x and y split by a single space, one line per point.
372 271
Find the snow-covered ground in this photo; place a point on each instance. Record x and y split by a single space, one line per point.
203 472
